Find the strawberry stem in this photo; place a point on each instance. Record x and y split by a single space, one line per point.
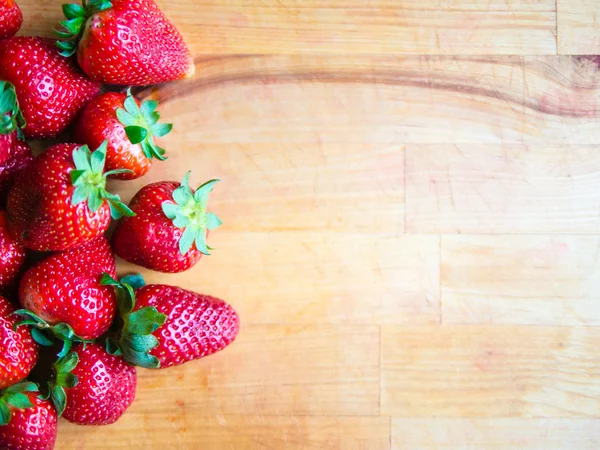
72 28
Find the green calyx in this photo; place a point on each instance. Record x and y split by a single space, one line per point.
89 180
63 379
15 396
188 212
77 16
47 335
11 118
141 125
135 339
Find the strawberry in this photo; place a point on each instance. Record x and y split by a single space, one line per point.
27 421
126 42
63 295
18 351
169 231
130 132
60 201
51 89
11 18
11 120
20 159
91 386
164 326
12 256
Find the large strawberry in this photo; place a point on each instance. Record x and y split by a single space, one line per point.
18 351
51 89
91 386
164 326
169 231
60 201
12 256
27 421
63 294
128 127
11 120
126 42
20 158
11 18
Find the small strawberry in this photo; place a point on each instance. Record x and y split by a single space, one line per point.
51 89
126 42
12 256
20 159
63 295
18 351
92 387
130 132
164 326
27 421
169 231
11 18
60 201
11 120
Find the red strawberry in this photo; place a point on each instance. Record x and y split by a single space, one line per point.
92 387
126 42
65 289
169 231
165 326
51 89
12 256
60 201
11 18
19 160
18 351
130 132
11 120
27 422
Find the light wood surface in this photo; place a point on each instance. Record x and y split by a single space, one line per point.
411 226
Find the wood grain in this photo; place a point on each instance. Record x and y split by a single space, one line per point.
490 371
189 429
495 434
385 99
350 26
578 27
544 280
502 189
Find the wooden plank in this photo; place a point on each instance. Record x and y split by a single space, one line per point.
274 370
349 26
502 189
383 99
495 434
490 371
190 429
543 280
328 278
266 187
578 27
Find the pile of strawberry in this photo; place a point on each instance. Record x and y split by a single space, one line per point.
71 332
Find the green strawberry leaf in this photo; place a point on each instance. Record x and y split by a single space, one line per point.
19 400
5 414
11 118
40 337
72 28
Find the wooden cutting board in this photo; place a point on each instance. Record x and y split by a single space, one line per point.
411 206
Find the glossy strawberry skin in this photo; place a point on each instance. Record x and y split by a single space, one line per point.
18 161
105 390
66 287
12 256
99 122
11 18
7 144
149 239
197 325
18 350
31 428
50 88
40 212
133 43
